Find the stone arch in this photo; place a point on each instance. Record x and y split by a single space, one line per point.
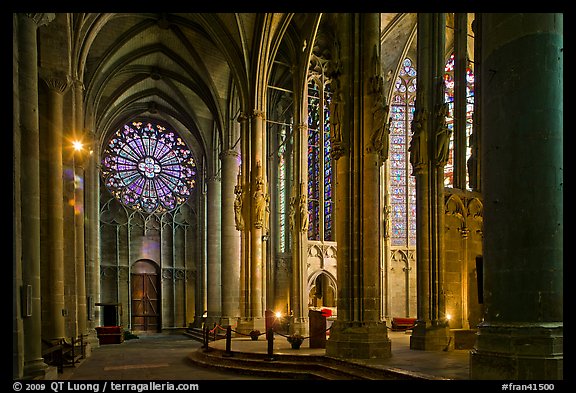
322 289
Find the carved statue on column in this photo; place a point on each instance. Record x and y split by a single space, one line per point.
417 148
292 213
239 219
266 226
380 137
333 71
259 198
336 108
303 209
443 134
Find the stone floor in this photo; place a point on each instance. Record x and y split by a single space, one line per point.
164 357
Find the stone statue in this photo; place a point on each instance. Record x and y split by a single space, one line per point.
381 128
238 210
443 134
417 146
259 198
336 123
267 213
292 213
303 210
238 218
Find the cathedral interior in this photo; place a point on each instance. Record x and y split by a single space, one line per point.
194 168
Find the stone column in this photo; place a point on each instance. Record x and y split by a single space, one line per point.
53 320
460 83
230 239
92 233
521 337
299 232
34 366
428 160
214 245
81 157
359 331
243 192
258 208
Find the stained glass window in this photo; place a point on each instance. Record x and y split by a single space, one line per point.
320 179
449 98
282 189
148 167
402 182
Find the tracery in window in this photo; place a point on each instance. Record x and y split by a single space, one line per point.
402 183
320 182
148 167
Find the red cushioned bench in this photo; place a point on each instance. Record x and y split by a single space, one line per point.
399 324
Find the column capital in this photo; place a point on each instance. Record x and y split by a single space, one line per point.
56 81
77 83
213 178
42 18
259 114
242 117
229 153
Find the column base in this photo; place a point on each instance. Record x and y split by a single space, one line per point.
229 321
38 370
245 325
519 351
353 340
431 338
300 325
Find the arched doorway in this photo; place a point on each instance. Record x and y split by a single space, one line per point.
145 296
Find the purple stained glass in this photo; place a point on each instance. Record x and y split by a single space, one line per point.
148 168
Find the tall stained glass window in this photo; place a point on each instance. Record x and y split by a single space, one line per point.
402 182
282 188
148 167
449 98
320 182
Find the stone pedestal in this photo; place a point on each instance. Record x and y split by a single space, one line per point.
431 338
358 340
520 351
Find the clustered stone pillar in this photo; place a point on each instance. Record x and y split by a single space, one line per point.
230 240
521 336
359 331
428 159
34 365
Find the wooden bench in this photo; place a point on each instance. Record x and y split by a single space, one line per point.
53 354
400 324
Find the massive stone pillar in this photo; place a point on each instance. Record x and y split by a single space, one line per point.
34 366
54 308
428 155
214 223
521 336
230 238
359 331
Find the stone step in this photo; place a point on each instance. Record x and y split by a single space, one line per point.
293 366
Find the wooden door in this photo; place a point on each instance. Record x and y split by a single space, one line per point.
145 297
